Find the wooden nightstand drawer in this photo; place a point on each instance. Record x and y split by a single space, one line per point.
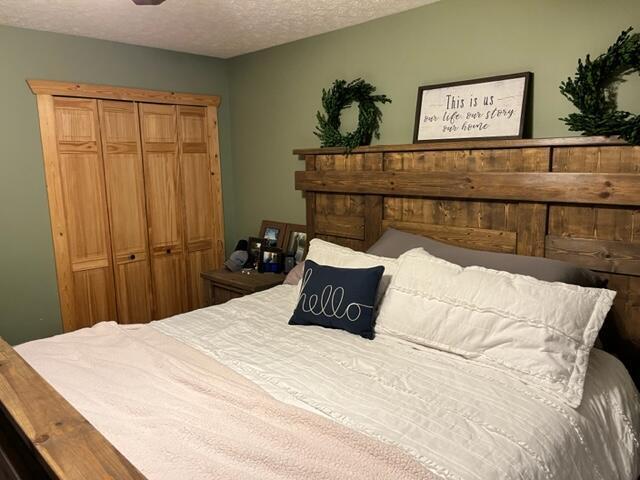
218 294
224 285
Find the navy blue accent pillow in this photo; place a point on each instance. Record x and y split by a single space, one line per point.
335 297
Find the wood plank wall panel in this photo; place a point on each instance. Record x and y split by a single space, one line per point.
464 216
373 204
605 223
606 239
602 255
627 305
345 242
490 225
607 234
599 229
477 238
350 220
613 189
339 218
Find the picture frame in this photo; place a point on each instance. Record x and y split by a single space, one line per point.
271 260
274 232
296 242
483 108
256 245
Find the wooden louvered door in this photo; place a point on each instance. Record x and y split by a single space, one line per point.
124 179
135 199
199 212
76 173
163 188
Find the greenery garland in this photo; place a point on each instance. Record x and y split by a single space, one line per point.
340 96
593 91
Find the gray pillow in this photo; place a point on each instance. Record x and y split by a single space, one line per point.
394 243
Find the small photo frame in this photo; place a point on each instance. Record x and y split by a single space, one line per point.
271 259
296 241
483 108
256 244
273 232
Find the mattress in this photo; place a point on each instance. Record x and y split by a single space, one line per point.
457 419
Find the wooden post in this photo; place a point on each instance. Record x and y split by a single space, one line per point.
373 204
310 198
373 210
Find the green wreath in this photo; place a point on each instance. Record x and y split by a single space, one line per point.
341 95
593 91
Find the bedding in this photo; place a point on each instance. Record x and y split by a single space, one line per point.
458 419
336 297
394 243
539 331
461 420
176 414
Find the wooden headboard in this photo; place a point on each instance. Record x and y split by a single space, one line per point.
574 199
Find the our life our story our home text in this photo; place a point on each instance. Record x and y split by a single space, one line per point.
469 114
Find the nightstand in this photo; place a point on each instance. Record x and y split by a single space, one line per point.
224 285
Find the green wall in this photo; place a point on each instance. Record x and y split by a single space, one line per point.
276 92
29 305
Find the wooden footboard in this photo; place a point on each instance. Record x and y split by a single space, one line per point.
43 436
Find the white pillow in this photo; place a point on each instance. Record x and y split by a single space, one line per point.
327 253
541 332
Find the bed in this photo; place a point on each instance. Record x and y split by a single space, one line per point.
144 400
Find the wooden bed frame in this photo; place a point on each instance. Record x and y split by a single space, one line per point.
574 199
42 436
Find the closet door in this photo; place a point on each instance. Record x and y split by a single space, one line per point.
164 208
197 178
126 199
89 297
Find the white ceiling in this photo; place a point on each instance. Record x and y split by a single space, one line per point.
218 28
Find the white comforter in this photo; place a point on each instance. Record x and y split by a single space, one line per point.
461 420
177 414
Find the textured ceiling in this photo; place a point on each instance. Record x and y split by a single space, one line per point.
219 28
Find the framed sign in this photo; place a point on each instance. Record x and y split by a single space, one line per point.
492 107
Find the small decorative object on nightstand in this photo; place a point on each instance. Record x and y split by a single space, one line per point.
238 258
224 285
256 244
